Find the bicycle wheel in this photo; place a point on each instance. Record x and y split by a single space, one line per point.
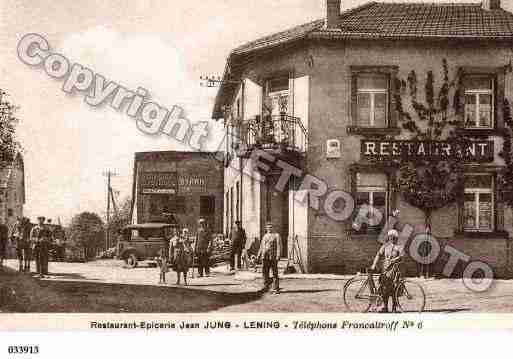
410 297
357 295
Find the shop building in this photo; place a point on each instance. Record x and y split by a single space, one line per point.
321 98
178 185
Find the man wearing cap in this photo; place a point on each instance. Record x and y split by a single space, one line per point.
203 248
269 254
34 241
238 242
391 255
40 239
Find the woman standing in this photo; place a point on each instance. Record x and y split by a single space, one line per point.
180 253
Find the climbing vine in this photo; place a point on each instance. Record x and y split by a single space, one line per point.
505 178
430 183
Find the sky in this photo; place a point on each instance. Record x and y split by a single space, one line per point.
163 46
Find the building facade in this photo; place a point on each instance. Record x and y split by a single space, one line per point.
186 185
313 110
12 194
12 190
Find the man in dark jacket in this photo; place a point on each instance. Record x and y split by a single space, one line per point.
4 233
203 248
40 237
238 242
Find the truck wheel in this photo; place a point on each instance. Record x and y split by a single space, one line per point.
131 260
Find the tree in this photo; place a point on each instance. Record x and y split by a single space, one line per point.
120 218
431 183
9 146
87 232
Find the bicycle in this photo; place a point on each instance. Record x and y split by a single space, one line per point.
361 293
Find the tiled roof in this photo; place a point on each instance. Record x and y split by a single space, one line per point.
423 20
279 38
419 20
377 20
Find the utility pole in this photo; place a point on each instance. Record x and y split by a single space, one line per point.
108 174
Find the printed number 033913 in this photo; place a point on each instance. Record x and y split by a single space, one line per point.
23 349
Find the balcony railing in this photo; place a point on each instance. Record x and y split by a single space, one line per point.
274 132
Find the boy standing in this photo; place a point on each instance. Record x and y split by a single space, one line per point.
162 262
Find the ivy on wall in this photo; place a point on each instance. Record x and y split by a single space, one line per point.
430 183
505 178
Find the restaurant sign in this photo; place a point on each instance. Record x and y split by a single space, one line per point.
158 182
476 151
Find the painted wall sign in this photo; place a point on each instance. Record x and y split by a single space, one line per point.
192 183
158 182
478 151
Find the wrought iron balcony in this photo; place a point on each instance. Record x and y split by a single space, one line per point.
279 132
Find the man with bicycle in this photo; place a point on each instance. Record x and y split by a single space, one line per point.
391 254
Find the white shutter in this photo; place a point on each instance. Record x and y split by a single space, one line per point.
301 103
252 99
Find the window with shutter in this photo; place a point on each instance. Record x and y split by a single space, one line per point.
373 108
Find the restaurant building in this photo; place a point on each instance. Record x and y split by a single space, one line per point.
322 98
180 185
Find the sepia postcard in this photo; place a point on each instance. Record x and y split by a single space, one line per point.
255 166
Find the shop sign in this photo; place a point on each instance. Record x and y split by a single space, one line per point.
158 182
192 183
477 151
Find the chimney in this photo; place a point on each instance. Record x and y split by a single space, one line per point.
332 13
491 4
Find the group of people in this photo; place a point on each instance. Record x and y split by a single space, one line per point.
31 242
181 251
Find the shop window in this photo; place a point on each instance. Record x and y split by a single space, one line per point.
479 203
207 206
177 204
479 101
371 192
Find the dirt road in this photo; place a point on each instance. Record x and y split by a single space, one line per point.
107 286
